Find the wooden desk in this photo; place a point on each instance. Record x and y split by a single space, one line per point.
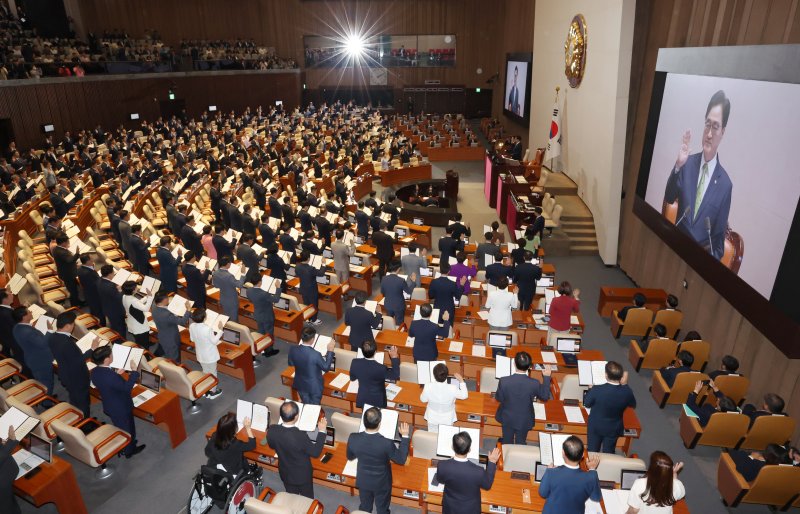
407 174
55 484
614 298
330 297
421 233
363 186
459 153
491 172
288 324
507 184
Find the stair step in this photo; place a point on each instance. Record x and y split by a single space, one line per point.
578 231
577 218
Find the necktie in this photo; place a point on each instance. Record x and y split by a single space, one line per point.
699 195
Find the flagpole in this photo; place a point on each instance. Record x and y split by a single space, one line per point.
558 88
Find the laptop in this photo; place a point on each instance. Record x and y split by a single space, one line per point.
628 477
231 336
38 451
356 260
327 253
497 340
291 272
283 304
569 348
150 380
418 221
401 231
426 272
324 280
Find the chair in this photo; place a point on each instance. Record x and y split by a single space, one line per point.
555 219
344 510
637 323
343 426
776 486
258 343
389 323
344 358
190 385
9 368
28 391
274 406
519 457
724 429
62 411
423 444
539 187
700 350
419 293
733 386
677 394
733 252
769 429
270 502
571 389
660 353
611 466
37 249
408 372
308 311
487 382
95 448
671 320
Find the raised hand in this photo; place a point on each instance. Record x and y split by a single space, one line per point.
624 379
683 153
188 305
593 461
446 316
331 345
404 429
322 424
547 371
95 342
393 353
677 468
697 386
11 434
494 456
462 280
246 423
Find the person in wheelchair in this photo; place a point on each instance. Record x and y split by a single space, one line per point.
224 450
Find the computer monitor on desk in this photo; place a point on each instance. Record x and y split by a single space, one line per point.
150 380
401 231
500 339
568 344
283 304
355 260
418 221
231 336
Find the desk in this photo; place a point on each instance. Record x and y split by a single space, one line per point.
517 211
330 297
491 172
407 174
421 233
363 186
458 153
506 185
614 298
56 484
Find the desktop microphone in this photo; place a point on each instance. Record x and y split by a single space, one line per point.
708 230
685 213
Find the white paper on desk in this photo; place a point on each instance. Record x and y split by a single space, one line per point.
484 315
212 290
392 390
549 357
346 331
444 442
456 346
434 488
143 397
539 411
351 467
574 414
378 357
550 447
389 420
21 422
593 507
352 387
573 320
478 350
615 500
340 381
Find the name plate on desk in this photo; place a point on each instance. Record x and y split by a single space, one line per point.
553 427
631 432
403 407
455 358
414 495
338 394
499 509
333 477
475 418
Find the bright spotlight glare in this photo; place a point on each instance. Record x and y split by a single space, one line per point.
354 46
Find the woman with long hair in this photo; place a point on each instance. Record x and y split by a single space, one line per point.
224 449
659 489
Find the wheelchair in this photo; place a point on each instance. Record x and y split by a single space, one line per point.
215 488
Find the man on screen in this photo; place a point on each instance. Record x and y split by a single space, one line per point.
700 184
513 95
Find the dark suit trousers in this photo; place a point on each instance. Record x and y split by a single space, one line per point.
514 436
600 442
312 398
79 397
525 301
312 299
118 325
398 315
381 499
306 490
383 267
126 423
74 292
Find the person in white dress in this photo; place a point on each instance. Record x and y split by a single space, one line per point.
500 302
139 328
205 344
660 488
441 398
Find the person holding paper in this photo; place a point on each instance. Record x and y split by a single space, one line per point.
487 248
412 263
424 331
264 313
8 473
361 322
463 480
195 279
228 288
462 272
497 270
392 288
224 450
295 449
384 248
561 309
167 323
72 370
308 284
205 341
516 394
35 349
500 302
115 392
309 365
341 256
608 403
441 398
223 247
111 296
88 279
250 259
168 265
140 249
659 489
375 454
9 344
135 315
525 276
67 268
449 245
444 292
372 375
566 488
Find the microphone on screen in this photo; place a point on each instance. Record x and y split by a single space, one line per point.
708 230
686 212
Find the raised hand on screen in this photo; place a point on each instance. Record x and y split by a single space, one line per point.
683 154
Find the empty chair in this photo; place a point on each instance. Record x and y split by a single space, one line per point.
571 388
555 219
775 485
520 457
308 310
419 293
28 391
95 448
270 502
637 323
724 429
344 358
389 323
423 444
677 394
539 187
61 411
344 425
611 466
769 429
671 320
258 343
487 381
700 350
274 406
408 372
8 368
660 353
190 385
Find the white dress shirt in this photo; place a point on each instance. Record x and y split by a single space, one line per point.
638 488
134 327
205 342
441 399
500 302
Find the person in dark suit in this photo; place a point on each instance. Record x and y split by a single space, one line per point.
375 454
111 297
462 479
362 221
486 248
195 279
88 279
749 465
309 365
460 230
730 366
497 270
516 394
361 322
250 259
773 406
61 207
566 488
167 323
124 228
276 265
384 249
639 301
705 411
308 284
168 265
274 204
190 239
296 449
115 392
72 370
392 288
444 292
287 211
264 313
371 375
266 232
221 245
425 331
36 351
449 246
525 276
67 268
700 184
608 403
228 287
683 364
140 249
324 227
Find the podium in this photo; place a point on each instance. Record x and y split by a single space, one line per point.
451 185
494 165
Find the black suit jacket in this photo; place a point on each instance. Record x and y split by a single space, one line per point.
515 394
89 279
66 264
525 276
222 246
375 454
704 412
384 245
361 322
463 482
608 402
141 255
308 280
448 247
295 451
111 298
371 377
72 370
424 332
